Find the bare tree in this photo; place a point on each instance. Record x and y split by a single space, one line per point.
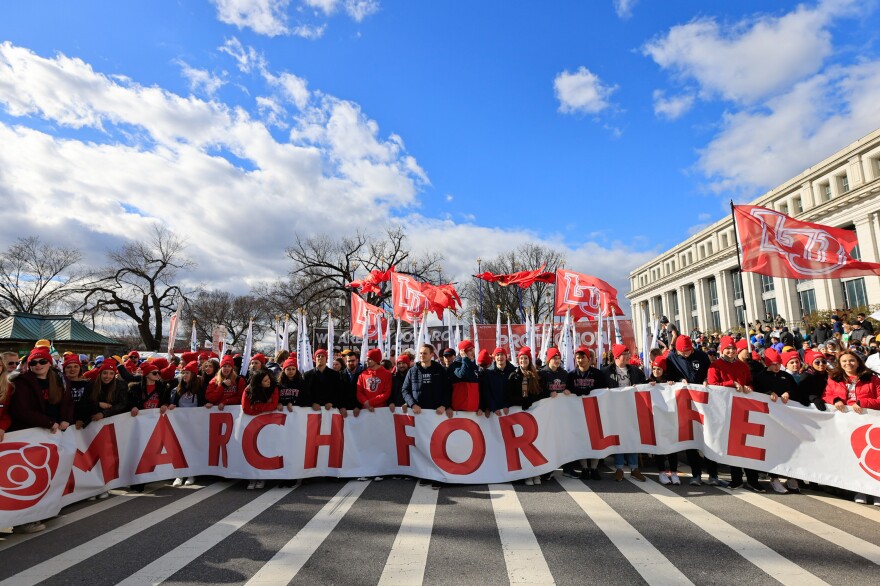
140 283
220 308
323 266
512 299
36 277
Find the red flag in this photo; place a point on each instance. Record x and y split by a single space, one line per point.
441 297
524 279
408 298
370 284
362 317
776 245
584 296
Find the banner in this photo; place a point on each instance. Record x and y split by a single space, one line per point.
407 298
41 472
586 335
776 245
363 323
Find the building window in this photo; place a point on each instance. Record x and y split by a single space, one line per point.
674 300
692 293
724 241
826 191
737 279
783 207
854 293
844 183
716 320
713 292
767 284
740 315
856 253
770 308
798 205
807 300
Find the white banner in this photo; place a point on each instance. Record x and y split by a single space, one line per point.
41 472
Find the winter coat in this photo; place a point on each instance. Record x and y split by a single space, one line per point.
493 387
374 387
694 369
426 387
227 394
866 392
324 387
465 381
29 405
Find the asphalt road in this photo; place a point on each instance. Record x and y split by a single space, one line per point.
564 531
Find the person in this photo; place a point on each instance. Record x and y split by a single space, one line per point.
865 324
186 393
583 380
426 387
40 398
274 366
6 390
852 384
622 374
338 363
349 378
76 385
324 385
226 387
374 383
779 384
260 396
292 390
857 333
791 362
493 384
402 366
447 358
729 372
669 471
811 388
465 380
148 391
554 378
524 389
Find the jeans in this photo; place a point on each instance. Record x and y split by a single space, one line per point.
632 460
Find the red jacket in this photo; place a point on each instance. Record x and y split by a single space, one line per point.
228 395
257 408
726 374
867 392
5 419
374 386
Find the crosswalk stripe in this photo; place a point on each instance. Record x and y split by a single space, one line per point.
647 560
409 554
765 558
867 511
522 555
61 562
66 519
860 547
290 559
166 566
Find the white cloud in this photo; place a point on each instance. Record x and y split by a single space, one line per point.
200 80
673 107
582 91
310 32
624 8
761 147
356 9
449 197
248 59
266 17
750 59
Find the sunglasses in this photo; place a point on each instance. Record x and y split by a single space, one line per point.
820 362
40 362
13 363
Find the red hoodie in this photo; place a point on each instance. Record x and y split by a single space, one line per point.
228 395
374 385
726 374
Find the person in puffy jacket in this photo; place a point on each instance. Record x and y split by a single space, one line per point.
524 389
261 396
465 379
40 398
811 388
852 385
493 383
426 385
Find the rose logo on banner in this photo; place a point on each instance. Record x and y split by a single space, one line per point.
866 445
800 244
26 471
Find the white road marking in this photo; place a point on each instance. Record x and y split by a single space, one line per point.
522 555
409 554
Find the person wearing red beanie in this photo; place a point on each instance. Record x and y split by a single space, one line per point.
226 387
583 380
465 378
374 383
401 368
40 398
619 374
524 389
493 383
187 392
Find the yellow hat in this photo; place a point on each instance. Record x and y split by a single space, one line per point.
43 344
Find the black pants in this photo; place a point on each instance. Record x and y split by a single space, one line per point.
695 461
671 458
736 475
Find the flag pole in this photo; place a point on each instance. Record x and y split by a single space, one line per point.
739 263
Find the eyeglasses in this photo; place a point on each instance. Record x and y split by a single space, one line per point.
820 362
40 362
12 364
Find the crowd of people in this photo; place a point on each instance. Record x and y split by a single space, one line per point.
816 368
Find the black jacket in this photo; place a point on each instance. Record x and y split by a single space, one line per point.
324 387
426 387
493 387
515 393
694 369
636 376
583 383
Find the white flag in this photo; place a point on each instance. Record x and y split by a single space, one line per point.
532 333
277 335
331 338
546 336
172 332
248 348
364 339
457 331
565 339
510 345
498 329
600 348
474 335
397 342
380 341
307 347
300 349
285 336
193 339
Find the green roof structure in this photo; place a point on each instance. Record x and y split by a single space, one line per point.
56 328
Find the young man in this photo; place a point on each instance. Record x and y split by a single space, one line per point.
403 362
623 374
349 376
465 380
426 387
323 384
374 383
494 382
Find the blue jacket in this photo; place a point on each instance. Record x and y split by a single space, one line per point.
694 369
426 387
493 387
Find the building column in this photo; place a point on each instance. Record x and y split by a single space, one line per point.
786 300
702 307
725 300
752 297
868 233
684 309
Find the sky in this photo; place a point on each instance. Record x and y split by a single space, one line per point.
610 130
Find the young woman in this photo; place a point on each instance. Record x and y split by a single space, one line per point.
149 391
853 384
338 364
669 472
76 385
261 396
226 387
40 398
186 392
811 388
524 388
292 388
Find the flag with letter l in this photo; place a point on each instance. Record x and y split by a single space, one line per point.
776 245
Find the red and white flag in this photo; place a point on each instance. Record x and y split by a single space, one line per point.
363 321
584 296
776 245
408 298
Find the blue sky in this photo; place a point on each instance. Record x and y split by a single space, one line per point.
608 129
